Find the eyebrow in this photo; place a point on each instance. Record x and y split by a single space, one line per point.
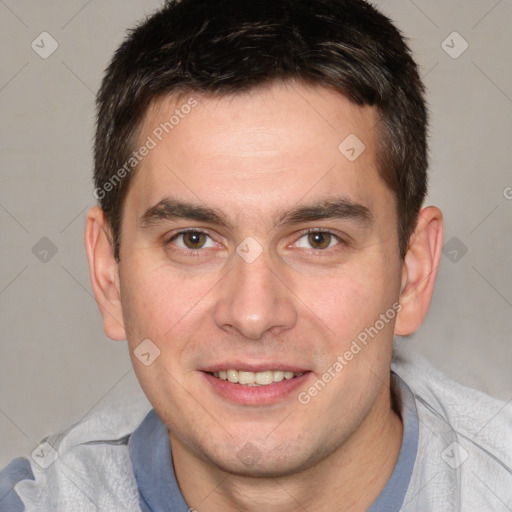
169 209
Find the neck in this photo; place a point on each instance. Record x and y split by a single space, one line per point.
352 476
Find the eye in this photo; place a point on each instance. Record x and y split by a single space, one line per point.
192 239
318 240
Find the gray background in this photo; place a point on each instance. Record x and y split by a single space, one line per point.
55 361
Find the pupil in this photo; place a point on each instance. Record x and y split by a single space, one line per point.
194 238
320 239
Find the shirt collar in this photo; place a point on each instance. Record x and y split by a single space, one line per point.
150 453
392 496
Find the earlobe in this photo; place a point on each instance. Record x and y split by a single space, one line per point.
104 273
419 270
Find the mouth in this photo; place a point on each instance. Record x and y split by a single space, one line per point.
261 378
261 387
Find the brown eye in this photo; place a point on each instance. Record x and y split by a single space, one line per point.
191 239
194 239
319 240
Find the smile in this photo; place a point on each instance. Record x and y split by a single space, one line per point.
263 378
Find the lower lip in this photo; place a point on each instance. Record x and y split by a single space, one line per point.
256 395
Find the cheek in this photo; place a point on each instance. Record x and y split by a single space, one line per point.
158 302
147 301
351 300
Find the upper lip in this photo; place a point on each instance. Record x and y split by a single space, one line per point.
253 367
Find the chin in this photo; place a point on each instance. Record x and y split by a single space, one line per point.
250 462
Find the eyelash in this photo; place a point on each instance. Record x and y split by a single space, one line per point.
197 252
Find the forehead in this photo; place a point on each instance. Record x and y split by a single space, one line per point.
258 150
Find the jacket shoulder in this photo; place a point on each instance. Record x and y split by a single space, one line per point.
86 467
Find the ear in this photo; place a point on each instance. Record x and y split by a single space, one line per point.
104 273
419 270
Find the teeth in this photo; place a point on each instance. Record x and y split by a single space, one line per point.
278 376
246 378
264 378
255 379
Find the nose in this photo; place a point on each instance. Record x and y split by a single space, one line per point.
254 299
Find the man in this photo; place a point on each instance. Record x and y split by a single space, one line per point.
261 170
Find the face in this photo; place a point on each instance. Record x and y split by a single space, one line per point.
252 242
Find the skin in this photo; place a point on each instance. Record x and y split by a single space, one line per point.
253 157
